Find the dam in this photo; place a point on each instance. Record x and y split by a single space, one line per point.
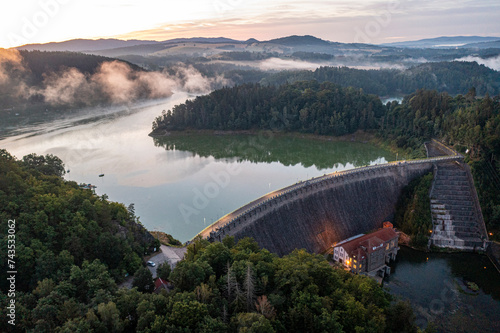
316 213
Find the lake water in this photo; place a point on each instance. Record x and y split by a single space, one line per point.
183 183
434 284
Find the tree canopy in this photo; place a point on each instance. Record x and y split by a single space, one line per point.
309 107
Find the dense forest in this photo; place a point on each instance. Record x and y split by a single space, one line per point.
309 107
451 77
469 123
66 239
413 211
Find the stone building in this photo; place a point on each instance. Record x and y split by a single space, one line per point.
368 254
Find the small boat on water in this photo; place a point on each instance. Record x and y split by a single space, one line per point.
101 175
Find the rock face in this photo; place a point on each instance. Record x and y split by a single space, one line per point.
456 219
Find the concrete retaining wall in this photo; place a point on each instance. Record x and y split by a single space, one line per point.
315 214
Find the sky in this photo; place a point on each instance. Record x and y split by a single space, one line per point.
368 21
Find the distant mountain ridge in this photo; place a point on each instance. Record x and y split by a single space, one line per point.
81 45
444 42
178 49
89 45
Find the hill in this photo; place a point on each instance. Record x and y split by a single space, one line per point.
83 45
298 40
306 106
45 80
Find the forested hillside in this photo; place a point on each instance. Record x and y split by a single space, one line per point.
451 77
470 124
309 107
37 81
41 63
71 246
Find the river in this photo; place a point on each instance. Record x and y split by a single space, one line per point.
435 285
180 184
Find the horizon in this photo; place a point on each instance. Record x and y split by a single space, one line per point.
241 40
373 22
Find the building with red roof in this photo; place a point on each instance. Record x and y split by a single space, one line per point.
160 284
368 254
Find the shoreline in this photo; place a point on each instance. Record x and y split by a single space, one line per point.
358 136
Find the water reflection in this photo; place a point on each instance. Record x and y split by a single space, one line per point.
267 147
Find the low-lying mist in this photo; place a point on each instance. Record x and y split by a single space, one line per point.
493 63
113 82
279 64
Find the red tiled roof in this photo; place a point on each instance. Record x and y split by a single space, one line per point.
159 282
370 241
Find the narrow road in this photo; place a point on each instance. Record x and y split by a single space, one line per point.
169 254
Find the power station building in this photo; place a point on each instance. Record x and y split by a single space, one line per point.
368 254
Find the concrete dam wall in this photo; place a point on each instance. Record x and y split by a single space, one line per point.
319 212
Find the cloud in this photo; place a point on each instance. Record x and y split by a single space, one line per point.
116 80
191 80
493 63
63 88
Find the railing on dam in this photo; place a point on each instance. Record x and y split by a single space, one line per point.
225 224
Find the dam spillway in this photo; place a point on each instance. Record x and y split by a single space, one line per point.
316 213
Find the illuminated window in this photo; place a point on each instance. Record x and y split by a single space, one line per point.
387 247
354 266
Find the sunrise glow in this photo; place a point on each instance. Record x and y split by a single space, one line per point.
376 21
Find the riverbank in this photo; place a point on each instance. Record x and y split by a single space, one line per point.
358 136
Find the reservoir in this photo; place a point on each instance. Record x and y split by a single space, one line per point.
182 183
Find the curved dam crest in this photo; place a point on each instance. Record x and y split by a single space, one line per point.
319 212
